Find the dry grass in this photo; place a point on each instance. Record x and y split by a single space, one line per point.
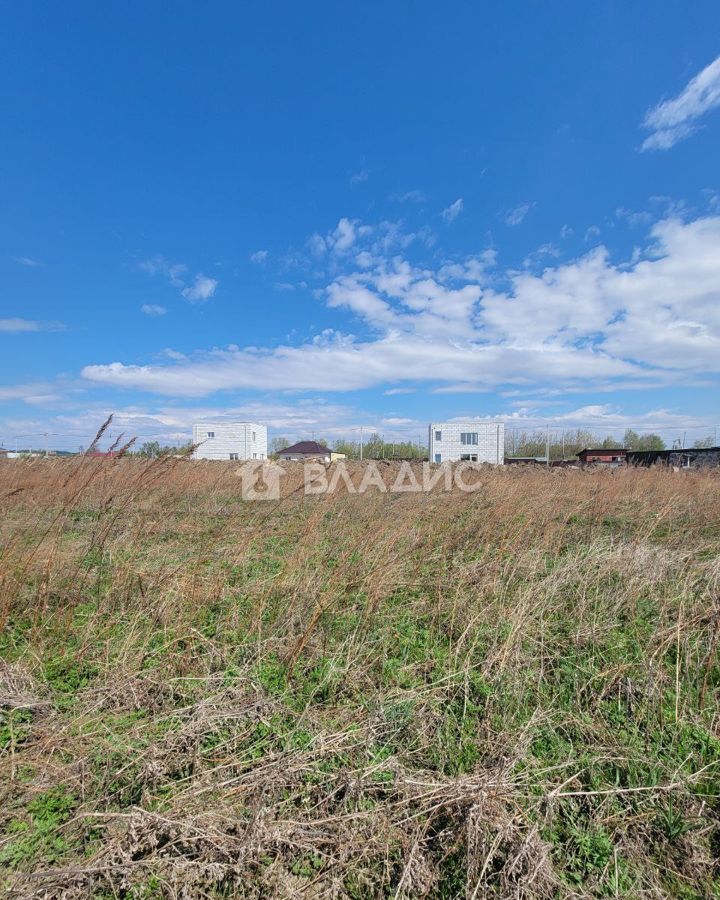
512 693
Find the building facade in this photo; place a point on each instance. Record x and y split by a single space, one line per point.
602 456
309 450
230 440
482 442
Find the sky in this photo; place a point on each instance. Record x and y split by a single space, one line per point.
325 217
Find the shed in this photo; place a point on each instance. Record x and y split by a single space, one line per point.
682 458
602 456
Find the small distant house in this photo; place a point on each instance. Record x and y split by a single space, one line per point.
309 450
603 456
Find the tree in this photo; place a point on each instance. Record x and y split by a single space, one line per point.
652 442
277 444
635 441
703 443
373 447
151 449
351 449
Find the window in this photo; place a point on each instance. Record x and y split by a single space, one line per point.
438 436
211 434
254 455
468 457
253 436
438 458
234 456
469 437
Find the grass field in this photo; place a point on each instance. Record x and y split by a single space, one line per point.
510 693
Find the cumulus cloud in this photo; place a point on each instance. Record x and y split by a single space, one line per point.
200 290
359 177
654 319
671 121
450 213
152 309
259 256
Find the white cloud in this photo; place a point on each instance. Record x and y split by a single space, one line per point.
359 177
26 392
450 213
591 233
633 218
673 120
29 262
539 256
201 289
340 240
259 256
414 196
517 215
158 265
16 325
654 319
393 391
152 309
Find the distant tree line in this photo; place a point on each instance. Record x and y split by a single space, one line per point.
153 449
373 447
567 444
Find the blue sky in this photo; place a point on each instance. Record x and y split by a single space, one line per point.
324 216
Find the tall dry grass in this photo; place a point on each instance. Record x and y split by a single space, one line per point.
506 693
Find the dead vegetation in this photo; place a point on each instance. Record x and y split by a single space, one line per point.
508 693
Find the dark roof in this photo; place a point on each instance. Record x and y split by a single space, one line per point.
606 451
668 450
306 447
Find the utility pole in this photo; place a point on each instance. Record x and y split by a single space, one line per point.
547 446
361 443
563 444
46 444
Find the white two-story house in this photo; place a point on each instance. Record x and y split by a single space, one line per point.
230 440
467 441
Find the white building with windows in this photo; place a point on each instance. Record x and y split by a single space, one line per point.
230 440
471 441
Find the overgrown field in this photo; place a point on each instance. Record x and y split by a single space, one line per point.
510 693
